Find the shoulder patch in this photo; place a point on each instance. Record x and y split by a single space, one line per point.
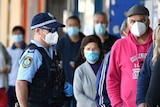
27 62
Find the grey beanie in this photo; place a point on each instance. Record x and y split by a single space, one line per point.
137 10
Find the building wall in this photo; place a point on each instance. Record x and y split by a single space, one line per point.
57 7
18 12
15 16
31 11
4 14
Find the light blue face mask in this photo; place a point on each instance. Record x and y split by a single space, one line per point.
17 38
100 29
72 31
91 56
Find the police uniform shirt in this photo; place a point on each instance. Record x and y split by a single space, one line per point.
31 61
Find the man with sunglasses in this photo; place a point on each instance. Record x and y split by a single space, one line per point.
37 70
127 56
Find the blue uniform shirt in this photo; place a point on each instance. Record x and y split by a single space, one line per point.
31 61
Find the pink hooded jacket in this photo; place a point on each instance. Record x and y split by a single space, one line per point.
126 59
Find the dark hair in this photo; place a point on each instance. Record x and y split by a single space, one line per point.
75 18
101 13
19 28
92 38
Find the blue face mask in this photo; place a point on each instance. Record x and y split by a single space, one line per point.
91 56
17 38
72 31
100 29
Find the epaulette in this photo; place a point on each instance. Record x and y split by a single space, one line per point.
31 50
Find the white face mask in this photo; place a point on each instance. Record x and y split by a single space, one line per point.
138 29
51 38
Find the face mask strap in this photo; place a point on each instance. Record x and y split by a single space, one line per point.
42 36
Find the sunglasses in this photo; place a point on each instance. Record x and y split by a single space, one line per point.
49 29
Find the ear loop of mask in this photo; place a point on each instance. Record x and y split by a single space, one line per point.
41 36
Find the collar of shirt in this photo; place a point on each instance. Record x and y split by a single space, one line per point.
49 51
23 46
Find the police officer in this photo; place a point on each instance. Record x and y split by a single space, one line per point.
33 85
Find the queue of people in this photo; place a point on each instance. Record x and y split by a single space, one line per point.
77 70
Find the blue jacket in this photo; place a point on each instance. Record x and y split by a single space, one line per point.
153 93
102 99
144 77
68 52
